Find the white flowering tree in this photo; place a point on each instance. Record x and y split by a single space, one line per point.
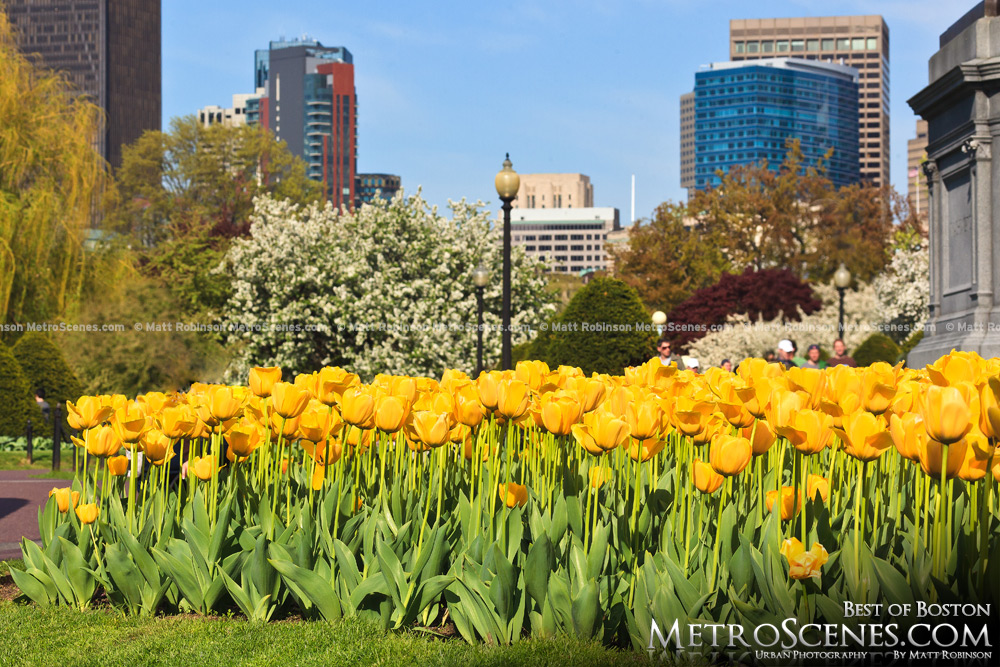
740 338
386 288
903 290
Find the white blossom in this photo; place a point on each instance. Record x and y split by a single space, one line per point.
383 289
903 291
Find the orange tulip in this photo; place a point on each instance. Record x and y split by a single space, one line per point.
88 513
177 422
357 406
225 402
289 400
691 416
730 455
598 476
243 439
64 497
878 388
995 467
790 504
783 406
332 382
203 467
705 478
978 454
391 412
263 379
488 386
761 438
468 409
156 446
513 495
129 422
908 434
118 465
643 450
600 432
315 422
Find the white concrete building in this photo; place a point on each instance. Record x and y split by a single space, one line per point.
569 240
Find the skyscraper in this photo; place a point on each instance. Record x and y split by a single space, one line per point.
916 155
311 104
687 140
861 42
109 50
747 111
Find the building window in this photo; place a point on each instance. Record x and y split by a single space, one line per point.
781 46
872 43
858 44
561 237
843 44
827 45
766 47
561 248
812 45
752 47
739 47
529 248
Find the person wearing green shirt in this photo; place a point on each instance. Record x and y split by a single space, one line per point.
812 358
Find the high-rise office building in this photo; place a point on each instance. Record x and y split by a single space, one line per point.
916 155
568 240
687 141
311 104
232 116
746 112
861 42
554 191
109 50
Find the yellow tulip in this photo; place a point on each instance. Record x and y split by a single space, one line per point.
730 455
705 478
289 400
531 373
878 387
357 406
177 422
783 406
243 439
431 428
865 436
790 503
315 422
102 441
263 379
488 386
64 497
332 382
118 465
129 422
391 412
513 495
224 403
309 382
761 437
589 391
713 427
691 416
946 413
952 369
995 467
468 409
908 434
803 564
88 513
513 398
203 467
643 450
978 453
559 412
598 476
817 484
809 431
88 412
600 432
156 446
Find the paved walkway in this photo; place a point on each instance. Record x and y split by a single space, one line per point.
20 498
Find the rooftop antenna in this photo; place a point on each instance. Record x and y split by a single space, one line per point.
632 217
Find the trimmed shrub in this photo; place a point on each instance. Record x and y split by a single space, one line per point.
47 372
877 347
598 330
762 295
17 402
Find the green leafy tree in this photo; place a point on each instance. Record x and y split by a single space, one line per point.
184 194
51 182
46 371
603 329
668 259
17 402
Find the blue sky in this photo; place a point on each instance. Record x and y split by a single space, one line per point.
446 88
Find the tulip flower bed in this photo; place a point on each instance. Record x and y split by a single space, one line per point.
538 502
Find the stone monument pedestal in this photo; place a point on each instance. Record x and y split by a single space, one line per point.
962 108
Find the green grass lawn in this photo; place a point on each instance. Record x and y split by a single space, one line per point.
42 461
31 635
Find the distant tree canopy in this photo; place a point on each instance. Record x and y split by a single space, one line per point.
51 183
185 193
762 295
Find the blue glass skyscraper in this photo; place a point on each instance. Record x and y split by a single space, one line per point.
747 111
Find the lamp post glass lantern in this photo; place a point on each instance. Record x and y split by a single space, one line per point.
842 280
480 278
507 183
659 319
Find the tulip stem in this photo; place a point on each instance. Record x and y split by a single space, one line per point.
859 517
939 523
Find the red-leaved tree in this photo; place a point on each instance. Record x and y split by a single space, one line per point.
760 294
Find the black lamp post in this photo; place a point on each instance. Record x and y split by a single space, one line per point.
480 277
507 183
842 280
